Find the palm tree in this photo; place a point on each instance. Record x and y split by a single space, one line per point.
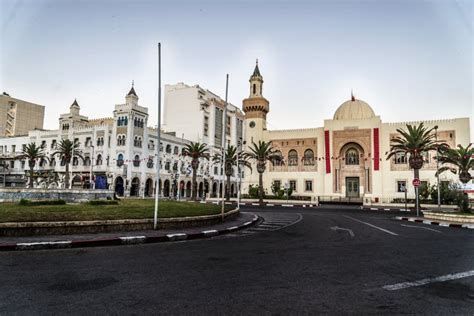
32 153
414 142
260 153
195 151
66 150
233 157
460 159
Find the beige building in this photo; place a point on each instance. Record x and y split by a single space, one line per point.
18 117
345 158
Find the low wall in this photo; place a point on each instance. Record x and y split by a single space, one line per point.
18 229
16 194
449 217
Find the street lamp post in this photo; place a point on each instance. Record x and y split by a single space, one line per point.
437 168
91 185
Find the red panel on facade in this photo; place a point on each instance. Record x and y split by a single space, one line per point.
326 143
376 150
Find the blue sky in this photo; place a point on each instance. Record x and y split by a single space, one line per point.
409 60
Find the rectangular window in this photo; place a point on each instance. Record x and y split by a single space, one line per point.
400 158
13 148
293 185
218 127
308 187
12 164
277 183
43 144
227 125
401 186
206 126
216 170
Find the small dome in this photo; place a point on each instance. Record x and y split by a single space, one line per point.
354 110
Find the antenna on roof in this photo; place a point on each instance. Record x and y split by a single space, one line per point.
352 96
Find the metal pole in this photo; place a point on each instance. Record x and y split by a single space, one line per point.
417 204
437 168
406 198
158 160
223 142
238 183
91 171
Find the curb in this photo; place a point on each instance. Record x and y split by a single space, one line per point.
437 223
383 209
122 240
267 204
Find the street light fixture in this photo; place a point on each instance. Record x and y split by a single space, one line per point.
437 167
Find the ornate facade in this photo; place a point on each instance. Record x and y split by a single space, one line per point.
345 158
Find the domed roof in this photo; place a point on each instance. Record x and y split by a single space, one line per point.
354 109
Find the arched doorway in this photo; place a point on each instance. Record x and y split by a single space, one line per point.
166 188
135 188
181 189
188 189
201 189
77 181
214 189
352 171
119 186
206 187
149 187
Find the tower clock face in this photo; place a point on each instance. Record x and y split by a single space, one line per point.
252 124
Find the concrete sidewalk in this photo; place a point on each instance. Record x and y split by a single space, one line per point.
244 220
434 222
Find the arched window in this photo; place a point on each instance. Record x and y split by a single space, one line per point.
99 160
167 165
175 166
352 157
149 163
176 150
120 160
168 149
277 162
308 157
136 161
126 121
75 161
87 161
292 158
254 88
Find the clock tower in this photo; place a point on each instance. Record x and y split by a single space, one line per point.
255 108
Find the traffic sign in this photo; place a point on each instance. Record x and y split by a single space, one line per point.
416 182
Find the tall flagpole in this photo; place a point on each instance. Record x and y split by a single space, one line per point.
223 144
158 158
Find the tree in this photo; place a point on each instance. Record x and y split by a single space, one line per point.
31 152
66 150
458 160
195 151
414 142
261 153
231 155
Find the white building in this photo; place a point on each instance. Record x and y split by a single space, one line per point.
120 150
345 158
197 114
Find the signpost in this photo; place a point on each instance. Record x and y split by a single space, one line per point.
416 183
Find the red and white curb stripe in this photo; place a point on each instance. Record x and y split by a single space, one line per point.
437 223
383 209
123 240
258 204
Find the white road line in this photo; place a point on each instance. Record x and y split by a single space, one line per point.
434 230
346 229
376 227
443 278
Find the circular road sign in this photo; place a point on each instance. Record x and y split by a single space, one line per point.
416 182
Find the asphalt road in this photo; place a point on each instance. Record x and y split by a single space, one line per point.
298 261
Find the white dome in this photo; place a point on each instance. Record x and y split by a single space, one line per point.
354 110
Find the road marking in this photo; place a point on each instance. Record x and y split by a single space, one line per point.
376 227
346 229
434 230
443 278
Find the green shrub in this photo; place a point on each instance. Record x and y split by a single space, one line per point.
26 202
253 191
103 202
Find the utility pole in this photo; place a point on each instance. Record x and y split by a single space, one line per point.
158 160
224 126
